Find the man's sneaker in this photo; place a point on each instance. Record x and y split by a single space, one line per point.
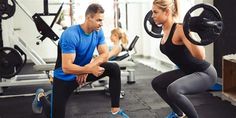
36 104
120 114
174 115
48 93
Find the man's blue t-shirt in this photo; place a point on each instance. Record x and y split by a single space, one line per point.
75 40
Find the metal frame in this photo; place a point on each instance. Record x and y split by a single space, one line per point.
27 79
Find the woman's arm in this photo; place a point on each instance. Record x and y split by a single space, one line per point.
116 49
196 50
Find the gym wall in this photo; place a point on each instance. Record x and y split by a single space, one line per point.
227 42
27 30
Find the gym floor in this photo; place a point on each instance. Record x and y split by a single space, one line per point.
140 101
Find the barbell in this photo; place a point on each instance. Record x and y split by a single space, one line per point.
202 24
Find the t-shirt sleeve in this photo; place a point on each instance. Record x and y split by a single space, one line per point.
101 37
67 42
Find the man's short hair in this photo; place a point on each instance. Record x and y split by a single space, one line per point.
93 9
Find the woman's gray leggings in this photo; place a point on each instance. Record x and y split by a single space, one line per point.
172 86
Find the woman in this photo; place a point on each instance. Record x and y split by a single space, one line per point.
119 40
194 73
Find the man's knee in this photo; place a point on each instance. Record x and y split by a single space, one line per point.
115 67
111 67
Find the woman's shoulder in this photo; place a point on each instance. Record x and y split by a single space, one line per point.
179 29
179 26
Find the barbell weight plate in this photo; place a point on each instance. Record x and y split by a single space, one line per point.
203 24
7 10
150 27
11 62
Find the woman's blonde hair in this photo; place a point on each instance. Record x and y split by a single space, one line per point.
164 4
121 34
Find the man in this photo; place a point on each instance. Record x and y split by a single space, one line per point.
74 65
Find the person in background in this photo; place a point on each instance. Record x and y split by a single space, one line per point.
120 42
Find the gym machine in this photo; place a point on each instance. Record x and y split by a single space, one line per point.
12 60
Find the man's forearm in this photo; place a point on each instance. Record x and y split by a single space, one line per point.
75 69
100 59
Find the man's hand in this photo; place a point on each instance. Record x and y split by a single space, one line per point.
81 79
97 71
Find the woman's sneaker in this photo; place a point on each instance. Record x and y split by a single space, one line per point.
174 115
120 114
36 104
